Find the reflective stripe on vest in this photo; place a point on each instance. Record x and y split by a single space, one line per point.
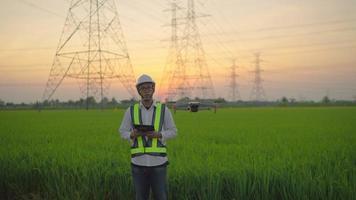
138 146
155 147
151 146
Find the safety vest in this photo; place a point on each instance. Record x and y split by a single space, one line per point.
142 145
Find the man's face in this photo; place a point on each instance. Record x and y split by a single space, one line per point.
146 91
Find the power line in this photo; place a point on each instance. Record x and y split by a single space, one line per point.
323 23
224 58
313 51
348 29
28 49
219 41
144 11
298 46
40 8
225 48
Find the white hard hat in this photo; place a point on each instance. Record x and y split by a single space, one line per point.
144 79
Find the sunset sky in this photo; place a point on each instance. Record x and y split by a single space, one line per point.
308 48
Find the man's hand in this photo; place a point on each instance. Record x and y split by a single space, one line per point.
153 134
134 134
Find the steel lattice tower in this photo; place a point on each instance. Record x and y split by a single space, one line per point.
188 74
91 50
234 88
257 92
174 60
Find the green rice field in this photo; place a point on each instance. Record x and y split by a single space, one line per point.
237 153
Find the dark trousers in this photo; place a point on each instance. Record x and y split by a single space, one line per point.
146 178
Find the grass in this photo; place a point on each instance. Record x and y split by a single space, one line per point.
243 153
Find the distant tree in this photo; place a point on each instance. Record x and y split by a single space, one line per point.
9 104
325 100
184 99
128 101
292 100
113 101
45 103
2 103
220 100
80 102
104 101
54 102
36 105
284 100
91 101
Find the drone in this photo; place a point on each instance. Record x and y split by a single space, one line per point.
194 106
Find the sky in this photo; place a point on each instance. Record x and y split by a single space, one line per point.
307 48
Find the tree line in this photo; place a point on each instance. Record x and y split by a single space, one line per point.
81 103
106 103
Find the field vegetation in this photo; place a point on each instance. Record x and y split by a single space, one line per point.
237 153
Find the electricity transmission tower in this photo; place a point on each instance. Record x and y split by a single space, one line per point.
258 93
187 73
234 91
91 50
174 63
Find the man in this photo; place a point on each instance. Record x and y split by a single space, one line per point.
148 151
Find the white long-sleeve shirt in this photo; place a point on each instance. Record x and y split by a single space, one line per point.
169 130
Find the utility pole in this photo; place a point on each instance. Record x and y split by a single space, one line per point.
91 50
258 93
